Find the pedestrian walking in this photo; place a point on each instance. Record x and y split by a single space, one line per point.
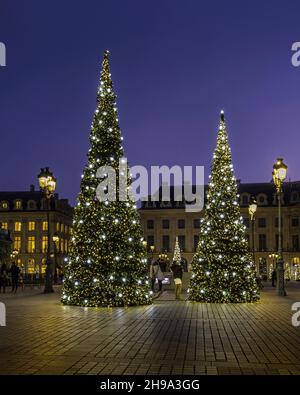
160 276
21 281
3 277
37 278
156 273
177 275
152 275
15 271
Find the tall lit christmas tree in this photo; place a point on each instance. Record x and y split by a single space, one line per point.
223 270
177 253
107 264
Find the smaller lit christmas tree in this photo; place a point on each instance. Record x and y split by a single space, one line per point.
271 268
297 272
287 272
177 253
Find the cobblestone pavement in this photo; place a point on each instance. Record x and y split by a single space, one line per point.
169 337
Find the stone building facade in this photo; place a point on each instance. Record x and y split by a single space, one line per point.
24 215
163 221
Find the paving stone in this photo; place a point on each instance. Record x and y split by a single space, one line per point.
169 337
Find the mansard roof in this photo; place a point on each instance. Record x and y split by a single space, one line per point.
33 196
265 190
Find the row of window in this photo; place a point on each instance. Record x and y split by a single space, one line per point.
31 266
18 205
166 223
62 245
263 245
244 200
31 226
262 222
262 242
263 199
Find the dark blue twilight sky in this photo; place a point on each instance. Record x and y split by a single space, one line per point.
175 64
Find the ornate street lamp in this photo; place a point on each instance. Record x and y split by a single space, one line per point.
55 239
252 210
14 254
47 185
152 251
279 175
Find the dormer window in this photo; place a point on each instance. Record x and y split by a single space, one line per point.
31 205
262 199
4 205
295 197
18 204
245 198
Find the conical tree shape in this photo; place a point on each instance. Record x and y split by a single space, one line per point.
223 270
107 264
177 253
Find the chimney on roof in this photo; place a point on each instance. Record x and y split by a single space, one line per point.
31 188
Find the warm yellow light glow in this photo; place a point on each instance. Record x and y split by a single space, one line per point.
18 226
17 243
31 244
31 226
47 182
45 244
55 238
279 173
252 208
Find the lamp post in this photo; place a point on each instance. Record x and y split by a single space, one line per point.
47 185
252 210
145 243
152 251
55 239
14 254
279 175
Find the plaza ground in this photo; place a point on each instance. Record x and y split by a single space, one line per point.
170 337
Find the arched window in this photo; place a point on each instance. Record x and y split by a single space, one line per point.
44 204
31 205
30 266
262 199
44 266
18 204
295 196
245 198
4 205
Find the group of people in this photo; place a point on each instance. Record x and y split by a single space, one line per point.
14 271
157 273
